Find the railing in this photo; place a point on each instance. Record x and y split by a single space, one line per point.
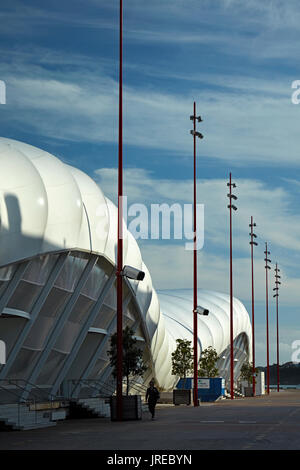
43 396
103 389
137 386
18 400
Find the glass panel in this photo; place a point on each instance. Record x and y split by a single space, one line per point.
39 269
56 300
50 370
104 317
130 312
111 298
7 272
71 272
25 296
22 367
38 334
10 328
67 337
81 309
100 365
3 285
95 283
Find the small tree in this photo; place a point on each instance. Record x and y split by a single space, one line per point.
247 372
207 363
133 364
182 358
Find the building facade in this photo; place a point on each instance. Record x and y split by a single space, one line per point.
58 248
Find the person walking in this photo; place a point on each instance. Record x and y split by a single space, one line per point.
152 396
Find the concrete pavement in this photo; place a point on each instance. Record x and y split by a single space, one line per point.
269 423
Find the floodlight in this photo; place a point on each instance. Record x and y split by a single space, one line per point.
133 273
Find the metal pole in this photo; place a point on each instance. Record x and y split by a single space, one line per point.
252 242
195 275
231 299
276 289
277 342
253 347
195 300
120 232
267 318
230 207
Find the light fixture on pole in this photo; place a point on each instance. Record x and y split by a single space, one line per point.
253 243
119 366
267 261
201 311
276 295
231 207
195 134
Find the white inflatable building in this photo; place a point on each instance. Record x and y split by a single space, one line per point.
58 238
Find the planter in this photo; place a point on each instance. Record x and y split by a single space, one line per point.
131 407
181 397
248 391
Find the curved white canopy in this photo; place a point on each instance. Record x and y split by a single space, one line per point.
48 206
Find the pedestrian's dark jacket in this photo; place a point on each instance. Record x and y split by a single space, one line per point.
152 395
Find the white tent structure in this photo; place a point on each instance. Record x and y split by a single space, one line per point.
58 238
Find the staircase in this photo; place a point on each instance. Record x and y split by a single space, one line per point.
90 408
237 394
17 416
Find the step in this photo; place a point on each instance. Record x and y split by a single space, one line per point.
37 426
24 422
9 405
91 400
100 411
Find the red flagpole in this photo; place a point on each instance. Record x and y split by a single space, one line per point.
120 233
195 303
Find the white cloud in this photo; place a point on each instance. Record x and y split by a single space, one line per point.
243 128
247 120
171 265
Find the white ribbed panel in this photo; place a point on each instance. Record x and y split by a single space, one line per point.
46 205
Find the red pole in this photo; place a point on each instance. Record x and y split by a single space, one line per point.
277 346
267 320
277 296
231 299
253 333
195 274
120 233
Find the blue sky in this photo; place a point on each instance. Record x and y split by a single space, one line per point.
237 59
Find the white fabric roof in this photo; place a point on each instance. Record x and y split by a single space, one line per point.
47 205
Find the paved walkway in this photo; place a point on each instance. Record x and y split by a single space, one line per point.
269 422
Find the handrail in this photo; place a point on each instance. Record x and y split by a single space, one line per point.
101 387
18 386
137 386
9 391
36 387
90 383
19 402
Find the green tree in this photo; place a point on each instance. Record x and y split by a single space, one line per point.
182 358
247 372
207 363
133 363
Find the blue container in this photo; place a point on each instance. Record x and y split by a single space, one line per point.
209 389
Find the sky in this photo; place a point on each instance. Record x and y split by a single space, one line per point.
237 59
